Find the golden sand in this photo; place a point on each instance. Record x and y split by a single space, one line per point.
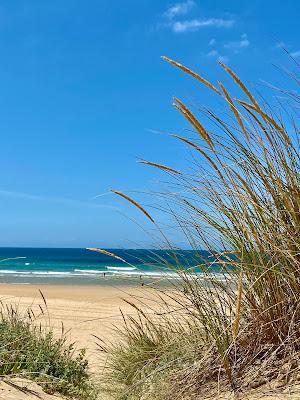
86 312
81 312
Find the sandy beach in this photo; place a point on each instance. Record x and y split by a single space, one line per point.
82 312
86 312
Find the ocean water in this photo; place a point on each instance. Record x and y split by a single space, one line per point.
84 267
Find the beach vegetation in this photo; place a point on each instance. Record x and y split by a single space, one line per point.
29 350
239 198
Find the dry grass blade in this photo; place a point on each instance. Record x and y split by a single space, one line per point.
193 74
240 83
190 143
193 120
24 389
160 166
43 297
267 118
236 323
135 203
235 111
106 253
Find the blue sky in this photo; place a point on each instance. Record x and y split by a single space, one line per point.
84 94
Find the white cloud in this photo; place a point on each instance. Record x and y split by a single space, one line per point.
212 42
215 54
295 54
196 24
179 9
212 53
240 44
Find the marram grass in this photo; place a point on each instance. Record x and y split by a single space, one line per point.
240 199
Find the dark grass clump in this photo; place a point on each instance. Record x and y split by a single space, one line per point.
239 198
28 351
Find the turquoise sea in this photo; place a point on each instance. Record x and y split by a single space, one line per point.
82 267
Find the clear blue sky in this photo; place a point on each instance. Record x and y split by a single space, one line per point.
83 94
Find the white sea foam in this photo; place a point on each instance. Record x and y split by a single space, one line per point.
90 271
110 271
113 271
30 273
9 271
136 272
54 274
121 268
50 273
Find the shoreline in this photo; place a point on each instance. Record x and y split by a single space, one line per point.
114 281
63 289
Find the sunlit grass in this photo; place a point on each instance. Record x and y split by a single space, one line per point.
241 201
30 351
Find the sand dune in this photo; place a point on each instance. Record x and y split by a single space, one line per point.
87 312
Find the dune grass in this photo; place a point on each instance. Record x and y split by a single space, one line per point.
240 199
29 351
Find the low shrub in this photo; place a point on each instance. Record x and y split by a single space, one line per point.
29 351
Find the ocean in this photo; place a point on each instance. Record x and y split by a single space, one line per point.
83 267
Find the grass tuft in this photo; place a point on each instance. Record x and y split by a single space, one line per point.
27 350
240 200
